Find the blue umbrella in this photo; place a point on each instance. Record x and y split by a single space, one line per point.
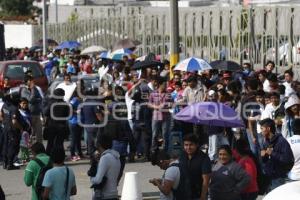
192 64
105 55
68 45
210 113
118 54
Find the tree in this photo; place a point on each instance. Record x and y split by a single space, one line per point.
16 7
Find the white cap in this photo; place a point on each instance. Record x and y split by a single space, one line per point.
211 92
293 100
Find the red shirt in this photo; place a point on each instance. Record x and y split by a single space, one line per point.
88 68
248 164
171 86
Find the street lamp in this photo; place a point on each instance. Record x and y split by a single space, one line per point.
174 35
44 29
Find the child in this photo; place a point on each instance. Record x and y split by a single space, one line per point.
24 146
177 95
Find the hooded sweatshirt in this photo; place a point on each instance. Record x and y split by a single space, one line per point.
109 167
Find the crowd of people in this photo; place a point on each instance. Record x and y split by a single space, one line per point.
130 115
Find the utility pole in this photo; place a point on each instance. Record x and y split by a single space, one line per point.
56 12
44 29
174 51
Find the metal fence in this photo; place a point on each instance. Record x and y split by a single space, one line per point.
257 34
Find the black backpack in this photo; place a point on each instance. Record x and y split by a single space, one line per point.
183 191
39 189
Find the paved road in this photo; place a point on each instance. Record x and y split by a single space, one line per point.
13 185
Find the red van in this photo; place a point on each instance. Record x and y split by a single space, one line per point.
15 70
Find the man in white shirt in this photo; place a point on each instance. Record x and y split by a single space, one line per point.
68 86
274 111
195 92
288 77
294 142
171 177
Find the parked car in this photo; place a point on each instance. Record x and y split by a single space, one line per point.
15 71
88 81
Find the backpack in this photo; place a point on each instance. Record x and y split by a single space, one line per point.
183 191
39 189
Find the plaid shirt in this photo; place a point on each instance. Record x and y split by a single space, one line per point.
158 99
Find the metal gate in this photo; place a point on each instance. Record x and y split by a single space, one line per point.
257 34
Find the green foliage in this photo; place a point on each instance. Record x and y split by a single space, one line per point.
16 7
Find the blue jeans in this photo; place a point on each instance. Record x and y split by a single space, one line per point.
76 133
162 127
91 139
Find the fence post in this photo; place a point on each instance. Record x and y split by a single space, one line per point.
163 37
291 37
194 34
276 40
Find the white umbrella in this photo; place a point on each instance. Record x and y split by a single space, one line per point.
192 64
92 49
288 191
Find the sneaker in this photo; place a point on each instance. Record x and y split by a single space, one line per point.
74 158
17 164
78 158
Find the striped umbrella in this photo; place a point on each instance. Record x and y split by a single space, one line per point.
192 64
118 54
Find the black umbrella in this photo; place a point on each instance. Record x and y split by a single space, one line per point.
35 48
145 64
50 42
148 62
225 65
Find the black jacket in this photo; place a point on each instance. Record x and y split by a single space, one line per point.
278 163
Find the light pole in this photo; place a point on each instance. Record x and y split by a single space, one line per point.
44 29
56 12
174 35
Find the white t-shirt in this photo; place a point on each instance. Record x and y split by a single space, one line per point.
171 174
294 142
288 89
129 101
266 86
261 109
68 88
269 111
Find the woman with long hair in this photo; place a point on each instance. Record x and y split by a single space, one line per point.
247 161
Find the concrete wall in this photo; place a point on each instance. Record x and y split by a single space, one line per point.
63 2
83 12
19 36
